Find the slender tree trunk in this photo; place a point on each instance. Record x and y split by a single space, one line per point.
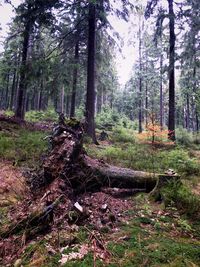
187 119
75 74
99 99
146 93
40 98
197 121
12 91
27 102
140 80
62 98
33 101
7 91
104 97
161 88
67 104
90 97
19 113
171 118
193 114
16 87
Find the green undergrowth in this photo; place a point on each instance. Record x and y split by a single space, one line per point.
38 116
179 195
126 150
148 158
21 145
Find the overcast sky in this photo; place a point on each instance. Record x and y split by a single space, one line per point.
124 61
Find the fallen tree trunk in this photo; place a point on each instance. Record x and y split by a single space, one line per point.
69 161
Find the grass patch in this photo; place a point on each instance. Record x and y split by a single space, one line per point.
21 145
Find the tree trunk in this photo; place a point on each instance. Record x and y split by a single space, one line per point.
67 104
171 118
161 88
62 98
75 73
90 97
99 99
12 90
140 80
19 113
7 91
187 119
40 94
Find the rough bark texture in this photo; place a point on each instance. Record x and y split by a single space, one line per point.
75 74
140 80
171 121
19 113
90 98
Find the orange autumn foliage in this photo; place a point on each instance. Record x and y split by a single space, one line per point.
153 132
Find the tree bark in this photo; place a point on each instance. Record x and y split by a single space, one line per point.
19 113
187 119
171 118
75 73
99 99
161 87
12 90
7 91
140 79
90 97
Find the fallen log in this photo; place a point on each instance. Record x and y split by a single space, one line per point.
69 161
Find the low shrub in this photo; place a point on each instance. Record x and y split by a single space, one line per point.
9 113
179 160
183 137
179 195
109 118
123 135
37 116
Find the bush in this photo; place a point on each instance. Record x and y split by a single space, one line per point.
183 137
196 139
112 117
37 116
107 116
123 135
9 113
80 112
179 160
181 196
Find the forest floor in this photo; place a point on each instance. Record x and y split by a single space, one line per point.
132 231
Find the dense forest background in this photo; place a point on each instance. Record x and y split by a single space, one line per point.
62 56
